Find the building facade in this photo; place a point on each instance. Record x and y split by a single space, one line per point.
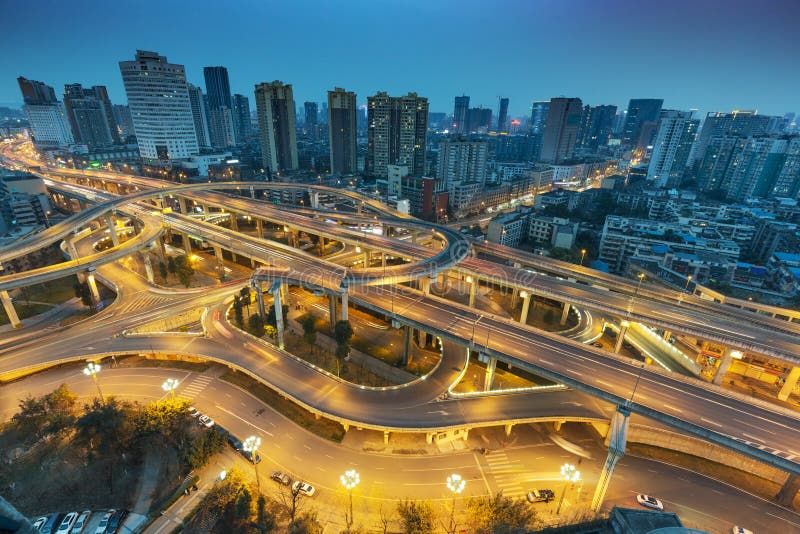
342 131
640 122
91 115
47 116
396 133
561 132
197 103
241 118
462 160
276 122
674 138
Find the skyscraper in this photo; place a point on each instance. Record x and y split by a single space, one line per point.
712 169
461 114
311 114
241 117
479 120
539 111
396 133
502 116
46 115
462 160
197 102
675 134
755 168
342 130
123 119
561 132
158 97
276 122
218 88
640 122
91 115
596 125
738 123
220 107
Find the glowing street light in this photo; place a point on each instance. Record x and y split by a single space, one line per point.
571 475
92 369
170 385
251 445
583 255
350 479
456 485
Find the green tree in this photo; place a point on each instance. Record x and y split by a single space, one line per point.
238 314
162 270
565 254
500 515
244 293
309 324
172 267
184 269
266 521
342 333
307 523
83 292
255 325
105 426
203 447
61 409
272 319
416 517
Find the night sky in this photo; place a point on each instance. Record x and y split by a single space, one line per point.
705 54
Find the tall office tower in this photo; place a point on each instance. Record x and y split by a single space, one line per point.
675 135
91 115
754 170
640 122
123 119
241 117
502 116
158 96
220 107
461 114
342 131
787 185
596 125
539 112
738 123
396 133
197 102
713 169
46 115
361 117
479 120
462 160
276 122
311 114
561 132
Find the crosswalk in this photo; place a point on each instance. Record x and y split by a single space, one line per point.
143 303
507 473
195 387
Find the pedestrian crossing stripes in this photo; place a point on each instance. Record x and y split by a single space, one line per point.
193 389
143 303
506 473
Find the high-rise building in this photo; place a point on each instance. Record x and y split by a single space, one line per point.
502 116
276 122
675 135
640 122
787 185
218 88
219 107
596 125
158 97
91 115
462 160
197 102
461 114
396 134
738 123
479 120
539 111
561 132
712 170
241 117
311 114
123 120
342 131
755 168
46 115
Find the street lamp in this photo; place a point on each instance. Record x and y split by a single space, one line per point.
583 255
688 279
92 369
251 445
570 475
170 385
350 480
456 485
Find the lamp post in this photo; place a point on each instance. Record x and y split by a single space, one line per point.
170 385
583 255
456 485
251 445
570 475
688 280
350 480
92 369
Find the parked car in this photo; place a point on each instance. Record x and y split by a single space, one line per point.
80 524
51 525
597 344
280 477
741 530
540 495
67 522
101 527
249 456
206 421
38 522
115 522
650 502
194 412
234 442
304 489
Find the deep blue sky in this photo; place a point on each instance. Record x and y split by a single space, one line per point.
705 54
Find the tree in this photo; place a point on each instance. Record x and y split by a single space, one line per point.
172 267
238 315
83 292
184 270
417 517
265 520
203 447
244 293
49 414
342 333
255 325
271 331
162 270
272 319
309 324
307 523
291 502
105 425
565 254
500 515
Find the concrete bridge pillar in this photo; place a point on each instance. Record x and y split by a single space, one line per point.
490 369
220 263
346 427
514 297
93 287
366 258
564 313
332 312
8 306
473 289
557 425
187 244
344 304
667 335
276 294
616 449
623 329
385 437
429 437
414 236
526 304
162 247
182 205
788 491
256 286
789 385
407 344
148 267
383 260
234 222
508 428
260 228
724 364
112 230
425 285
206 211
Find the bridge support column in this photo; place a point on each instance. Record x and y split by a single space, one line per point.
206 211
425 285
187 244
514 297
724 364
526 304
332 313
488 379
366 258
8 306
564 313
260 228
667 335
385 437
616 450
276 294
93 287
557 425
344 305
473 289
112 230
220 264
383 260
790 384
786 495
407 337
623 329
429 437
162 248
346 427
234 222
148 267
508 428
259 298
414 236
182 205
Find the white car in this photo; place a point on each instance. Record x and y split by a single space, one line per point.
67 522
101 528
650 502
741 530
39 522
80 523
206 421
305 489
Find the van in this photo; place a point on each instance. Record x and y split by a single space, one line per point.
52 524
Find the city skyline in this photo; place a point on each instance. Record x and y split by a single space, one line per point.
613 53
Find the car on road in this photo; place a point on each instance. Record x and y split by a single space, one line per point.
80 523
650 502
540 495
304 489
194 412
101 527
234 442
67 522
51 525
597 344
115 522
741 530
249 456
280 477
206 421
38 522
